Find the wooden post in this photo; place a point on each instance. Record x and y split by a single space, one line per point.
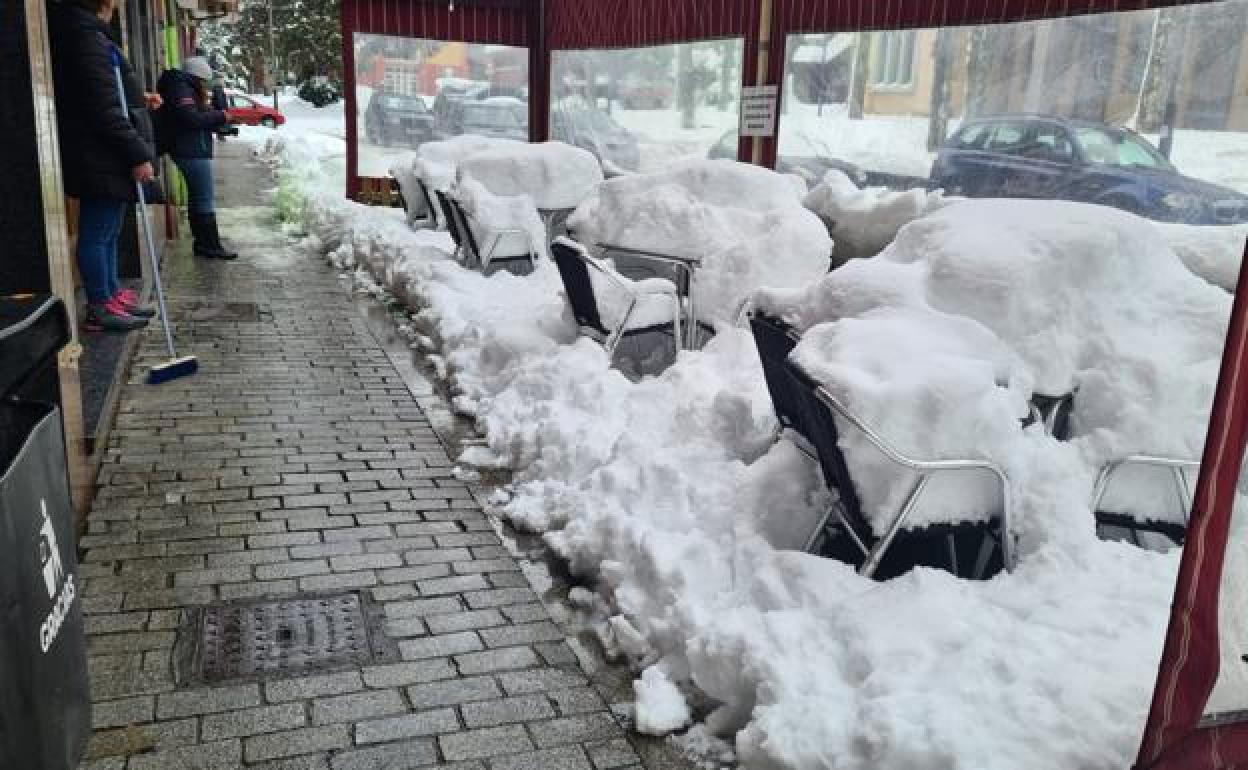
760 76
56 241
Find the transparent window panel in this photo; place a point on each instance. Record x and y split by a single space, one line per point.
640 109
1229 699
1145 111
410 91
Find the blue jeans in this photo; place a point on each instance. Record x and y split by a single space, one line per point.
99 224
198 175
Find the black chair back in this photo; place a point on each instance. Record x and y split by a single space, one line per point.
775 340
452 223
465 230
815 421
577 284
424 194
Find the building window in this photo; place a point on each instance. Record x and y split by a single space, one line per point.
892 65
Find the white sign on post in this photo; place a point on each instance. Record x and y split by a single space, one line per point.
758 110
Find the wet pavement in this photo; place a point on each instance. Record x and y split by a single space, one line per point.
283 570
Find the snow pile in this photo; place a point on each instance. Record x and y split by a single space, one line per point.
555 175
988 301
1213 253
437 162
747 224
863 222
669 496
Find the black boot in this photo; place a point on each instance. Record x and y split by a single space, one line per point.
215 234
207 240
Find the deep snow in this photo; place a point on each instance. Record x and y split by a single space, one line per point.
670 498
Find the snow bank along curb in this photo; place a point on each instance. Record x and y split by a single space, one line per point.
670 498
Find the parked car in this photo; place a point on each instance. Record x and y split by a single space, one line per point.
594 130
392 119
645 94
1032 156
810 168
500 116
243 109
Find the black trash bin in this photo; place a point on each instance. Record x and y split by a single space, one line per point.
45 709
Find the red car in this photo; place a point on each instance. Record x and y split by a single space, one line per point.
244 109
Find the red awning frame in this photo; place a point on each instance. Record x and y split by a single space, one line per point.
1173 736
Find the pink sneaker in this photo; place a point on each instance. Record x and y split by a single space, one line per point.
128 300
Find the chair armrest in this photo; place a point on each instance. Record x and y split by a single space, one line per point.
654 286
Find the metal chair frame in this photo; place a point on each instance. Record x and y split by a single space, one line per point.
685 267
610 338
467 251
1054 411
926 469
1175 465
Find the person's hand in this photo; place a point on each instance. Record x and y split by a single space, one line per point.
153 101
143 172
233 118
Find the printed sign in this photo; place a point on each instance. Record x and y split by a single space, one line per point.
758 111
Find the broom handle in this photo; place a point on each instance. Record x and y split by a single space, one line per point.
143 217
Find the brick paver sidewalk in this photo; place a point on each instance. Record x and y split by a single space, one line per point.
296 463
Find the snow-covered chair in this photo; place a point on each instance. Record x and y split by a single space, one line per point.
1163 484
1143 499
420 207
609 307
970 549
641 264
509 248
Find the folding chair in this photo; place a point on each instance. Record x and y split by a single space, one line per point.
509 247
575 266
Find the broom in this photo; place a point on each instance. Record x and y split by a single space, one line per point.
175 367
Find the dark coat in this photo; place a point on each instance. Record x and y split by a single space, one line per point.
100 143
189 121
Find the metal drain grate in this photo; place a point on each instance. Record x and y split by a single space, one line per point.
282 637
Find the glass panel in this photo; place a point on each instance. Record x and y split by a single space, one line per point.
1153 106
411 90
642 108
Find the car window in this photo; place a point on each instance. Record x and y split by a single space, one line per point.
1118 148
972 137
240 102
1006 138
1049 142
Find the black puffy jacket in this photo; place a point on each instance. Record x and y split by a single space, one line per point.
190 122
100 143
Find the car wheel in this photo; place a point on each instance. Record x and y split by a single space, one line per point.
268 122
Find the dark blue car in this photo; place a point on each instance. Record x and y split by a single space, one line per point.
1045 157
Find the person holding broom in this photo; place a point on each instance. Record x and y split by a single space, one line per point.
104 151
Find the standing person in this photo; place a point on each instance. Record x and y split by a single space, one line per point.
104 151
191 123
